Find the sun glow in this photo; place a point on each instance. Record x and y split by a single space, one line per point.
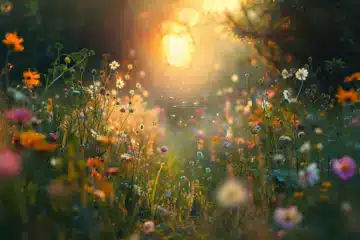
219 6
178 49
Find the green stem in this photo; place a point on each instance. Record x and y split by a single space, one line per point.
154 190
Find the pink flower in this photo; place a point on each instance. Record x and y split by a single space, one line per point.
344 167
10 163
287 217
20 115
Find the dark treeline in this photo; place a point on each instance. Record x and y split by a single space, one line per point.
323 30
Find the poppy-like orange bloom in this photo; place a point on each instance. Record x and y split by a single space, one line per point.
31 79
34 140
13 40
29 138
95 162
352 77
344 96
215 139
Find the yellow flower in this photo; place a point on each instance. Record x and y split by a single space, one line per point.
298 195
326 185
67 60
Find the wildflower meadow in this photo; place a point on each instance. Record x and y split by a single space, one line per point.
257 150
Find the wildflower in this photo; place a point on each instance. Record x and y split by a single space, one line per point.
12 40
319 146
31 79
114 65
232 194
10 163
285 74
306 147
19 115
352 77
6 7
298 195
163 149
344 96
319 131
132 92
285 138
287 217
309 176
287 95
346 207
67 60
302 74
95 162
345 167
120 83
126 156
138 85
148 227
279 158
235 78
326 185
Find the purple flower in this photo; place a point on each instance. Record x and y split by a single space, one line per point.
344 167
163 149
20 115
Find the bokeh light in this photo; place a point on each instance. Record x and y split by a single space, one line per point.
188 16
178 49
218 6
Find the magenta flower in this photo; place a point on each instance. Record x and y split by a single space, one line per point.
10 163
344 167
20 115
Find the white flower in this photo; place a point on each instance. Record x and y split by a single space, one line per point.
120 83
234 78
138 85
148 227
287 95
309 176
306 147
302 74
278 158
285 74
114 65
232 194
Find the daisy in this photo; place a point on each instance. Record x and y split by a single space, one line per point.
309 176
114 65
285 74
302 74
120 83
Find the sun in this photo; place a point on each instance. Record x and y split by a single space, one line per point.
178 49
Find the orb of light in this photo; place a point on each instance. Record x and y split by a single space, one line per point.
178 49
218 6
188 16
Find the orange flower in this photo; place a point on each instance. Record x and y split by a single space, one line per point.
352 77
344 96
298 195
49 106
12 39
44 146
30 138
215 139
31 79
326 185
95 162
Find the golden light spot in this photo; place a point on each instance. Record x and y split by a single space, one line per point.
188 16
178 49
